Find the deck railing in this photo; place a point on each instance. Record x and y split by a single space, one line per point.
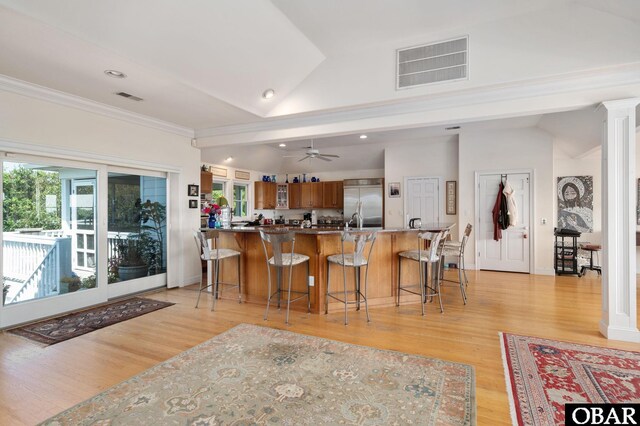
34 264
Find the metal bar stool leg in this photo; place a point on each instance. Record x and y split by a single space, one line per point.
208 278
239 281
366 301
289 296
422 287
436 277
344 283
308 290
266 312
356 272
399 279
215 285
326 294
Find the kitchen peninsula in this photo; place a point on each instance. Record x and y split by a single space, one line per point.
318 243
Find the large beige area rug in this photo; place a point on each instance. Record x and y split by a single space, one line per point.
254 375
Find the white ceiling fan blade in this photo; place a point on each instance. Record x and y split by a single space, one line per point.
304 158
330 155
321 157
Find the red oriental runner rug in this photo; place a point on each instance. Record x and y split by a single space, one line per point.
59 329
542 375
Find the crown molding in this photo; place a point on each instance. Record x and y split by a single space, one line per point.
601 78
35 91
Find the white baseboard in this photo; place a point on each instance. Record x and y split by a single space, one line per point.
619 333
190 281
545 271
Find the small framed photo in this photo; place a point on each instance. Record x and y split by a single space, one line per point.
451 196
394 190
193 190
193 204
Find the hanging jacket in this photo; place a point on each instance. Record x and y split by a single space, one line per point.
512 208
497 218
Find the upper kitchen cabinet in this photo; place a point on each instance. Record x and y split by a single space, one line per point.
333 195
311 195
294 196
206 182
264 195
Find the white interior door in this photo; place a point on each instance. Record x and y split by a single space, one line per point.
423 199
512 252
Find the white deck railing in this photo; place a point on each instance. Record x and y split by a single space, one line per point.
34 264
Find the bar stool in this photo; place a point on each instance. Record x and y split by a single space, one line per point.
213 255
456 249
425 258
279 260
355 259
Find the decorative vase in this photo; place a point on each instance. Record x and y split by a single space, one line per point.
287 179
304 177
212 220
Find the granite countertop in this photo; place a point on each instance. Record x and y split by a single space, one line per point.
333 230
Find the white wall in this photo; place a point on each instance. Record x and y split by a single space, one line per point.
514 149
25 120
435 157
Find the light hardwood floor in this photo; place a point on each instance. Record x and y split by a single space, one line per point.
37 382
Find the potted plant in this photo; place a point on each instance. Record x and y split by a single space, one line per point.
131 263
69 284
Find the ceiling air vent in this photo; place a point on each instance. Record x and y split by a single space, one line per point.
129 96
432 63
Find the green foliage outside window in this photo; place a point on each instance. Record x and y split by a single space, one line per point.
25 199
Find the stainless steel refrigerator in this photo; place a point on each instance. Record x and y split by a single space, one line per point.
369 192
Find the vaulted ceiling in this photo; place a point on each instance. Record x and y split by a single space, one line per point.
204 64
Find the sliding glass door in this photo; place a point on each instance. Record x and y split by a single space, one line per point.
49 225
137 231
76 234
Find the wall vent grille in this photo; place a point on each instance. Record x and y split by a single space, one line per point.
129 96
432 63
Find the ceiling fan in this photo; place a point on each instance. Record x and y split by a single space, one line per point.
314 153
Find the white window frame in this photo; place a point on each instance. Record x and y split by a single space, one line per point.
233 201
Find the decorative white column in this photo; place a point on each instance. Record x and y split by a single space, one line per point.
619 320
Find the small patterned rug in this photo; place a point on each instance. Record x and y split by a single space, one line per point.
59 329
256 375
542 375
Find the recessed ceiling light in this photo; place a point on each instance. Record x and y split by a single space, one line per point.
268 94
282 145
363 136
228 159
115 74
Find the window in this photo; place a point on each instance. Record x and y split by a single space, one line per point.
218 190
240 200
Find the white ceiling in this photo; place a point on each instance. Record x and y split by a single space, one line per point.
204 64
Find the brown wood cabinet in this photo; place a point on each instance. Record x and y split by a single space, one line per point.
206 182
294 196
264 195
333 195
311 195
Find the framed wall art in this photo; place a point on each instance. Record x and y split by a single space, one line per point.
193 204
394 190
193 190
218 171
451 195
242 175
575 203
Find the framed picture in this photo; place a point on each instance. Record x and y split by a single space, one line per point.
218 171
242 175
451 196
193 204
394 189
192 190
